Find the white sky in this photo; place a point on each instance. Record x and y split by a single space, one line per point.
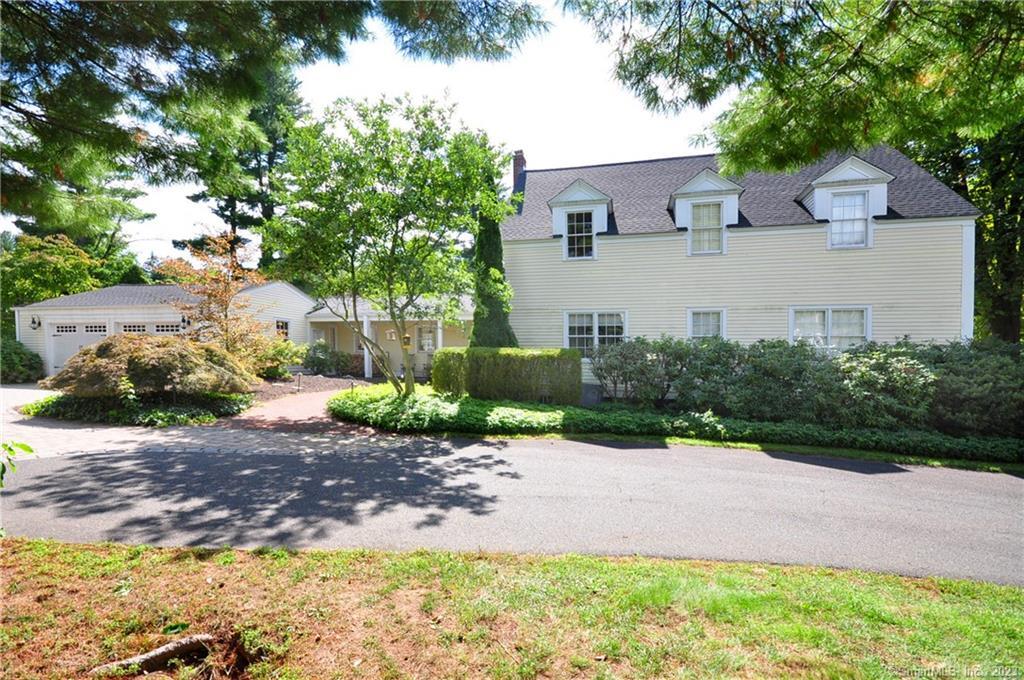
557 100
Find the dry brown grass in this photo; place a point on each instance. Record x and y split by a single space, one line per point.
360 614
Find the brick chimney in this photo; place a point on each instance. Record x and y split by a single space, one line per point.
518 171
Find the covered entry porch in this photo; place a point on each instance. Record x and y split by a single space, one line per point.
426 337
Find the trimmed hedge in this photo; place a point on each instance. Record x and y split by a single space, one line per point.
152 412
543 375
380 407
19 364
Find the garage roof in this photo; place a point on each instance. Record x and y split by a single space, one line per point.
125 295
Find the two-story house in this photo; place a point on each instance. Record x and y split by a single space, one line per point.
853 248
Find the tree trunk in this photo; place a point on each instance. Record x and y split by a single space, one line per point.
410 376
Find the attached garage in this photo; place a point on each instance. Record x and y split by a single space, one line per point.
57 328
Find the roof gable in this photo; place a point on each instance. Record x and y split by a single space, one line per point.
707 181
852 170
579 191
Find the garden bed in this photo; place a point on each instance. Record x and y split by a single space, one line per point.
427 412
150 412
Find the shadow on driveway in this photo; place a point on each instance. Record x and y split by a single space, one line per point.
192 495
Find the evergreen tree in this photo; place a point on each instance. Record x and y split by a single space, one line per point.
491 327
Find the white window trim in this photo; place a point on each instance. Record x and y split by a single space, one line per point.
287 331
869 223
828 309
689 320
593 237
689 232
420 329
593 313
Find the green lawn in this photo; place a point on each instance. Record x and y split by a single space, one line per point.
428 412
326 614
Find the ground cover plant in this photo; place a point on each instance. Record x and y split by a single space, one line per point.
427 411
317 614
153 411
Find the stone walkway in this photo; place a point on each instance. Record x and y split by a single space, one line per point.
297 423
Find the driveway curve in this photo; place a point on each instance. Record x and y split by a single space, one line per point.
251 487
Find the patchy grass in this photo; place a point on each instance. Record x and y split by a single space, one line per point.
362 614
428 412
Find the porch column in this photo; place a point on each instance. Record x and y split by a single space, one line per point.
367 362
440 334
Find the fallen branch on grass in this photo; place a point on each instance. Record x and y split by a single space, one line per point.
159 657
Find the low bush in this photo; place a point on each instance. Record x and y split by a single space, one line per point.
154 364
955 388
19 364
323 360
425 411
548 375
273 362
151 412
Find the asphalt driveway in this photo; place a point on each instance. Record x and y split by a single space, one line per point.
216 486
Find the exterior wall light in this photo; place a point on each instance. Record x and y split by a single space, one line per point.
35 324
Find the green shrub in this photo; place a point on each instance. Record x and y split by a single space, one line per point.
979 386
637 369
155 411
19 364
551 375
323 360
448 371
879 389
154 364
777 380
273 362
704 372
380 407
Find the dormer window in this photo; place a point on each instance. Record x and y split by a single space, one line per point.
579 235
849 220
707 228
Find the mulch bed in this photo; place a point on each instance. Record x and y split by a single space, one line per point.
273 389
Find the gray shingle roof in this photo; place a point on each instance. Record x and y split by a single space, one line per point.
126 295
640 193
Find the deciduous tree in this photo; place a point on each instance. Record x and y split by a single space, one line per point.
380 200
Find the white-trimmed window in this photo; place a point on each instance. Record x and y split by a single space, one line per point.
833 327
95 328
167 328
426 338
281 326
586 330
849 228
579 235
707 230
706 323
133 328
66 328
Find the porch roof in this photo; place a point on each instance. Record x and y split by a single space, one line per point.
322 311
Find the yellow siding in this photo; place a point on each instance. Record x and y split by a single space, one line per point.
911 278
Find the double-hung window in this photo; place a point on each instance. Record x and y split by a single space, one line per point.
579 234
426 338
707 228
849 221
586 330
281 327
707 323
833 327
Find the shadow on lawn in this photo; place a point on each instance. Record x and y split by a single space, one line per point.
277 489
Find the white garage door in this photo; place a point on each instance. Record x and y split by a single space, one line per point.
68 338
